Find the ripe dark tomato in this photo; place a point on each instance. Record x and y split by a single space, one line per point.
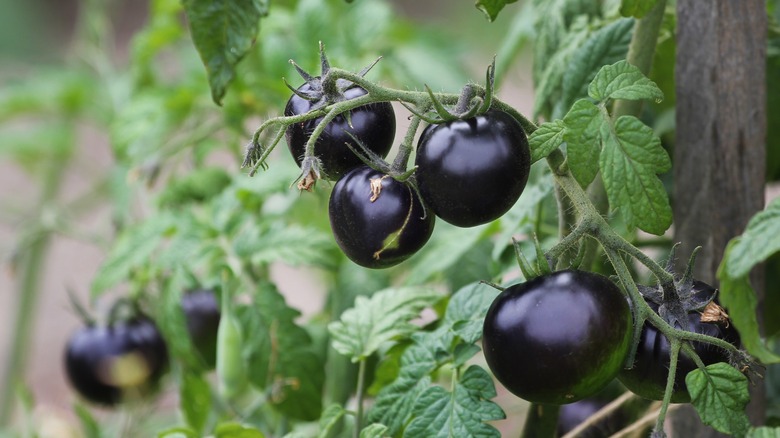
651 367
472 171
377 221
372 124
117 363
201 311
558 338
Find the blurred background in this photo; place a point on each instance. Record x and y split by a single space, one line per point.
84 145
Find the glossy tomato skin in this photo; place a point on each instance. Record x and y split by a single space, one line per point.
108 365
558 338
373 124
381 233
647 378
472 171
201 312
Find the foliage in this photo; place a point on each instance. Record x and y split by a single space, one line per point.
403 345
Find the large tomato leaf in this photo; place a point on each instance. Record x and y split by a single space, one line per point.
394 403
381 318
223 32
281 356
462 412
720 395
604 46
466 310
738 297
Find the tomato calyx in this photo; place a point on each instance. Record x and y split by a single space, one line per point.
473 101
682 296
323 90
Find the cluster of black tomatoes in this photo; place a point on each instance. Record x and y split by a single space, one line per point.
125 360
562 337
468 172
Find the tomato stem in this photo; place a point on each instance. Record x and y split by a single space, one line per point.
361 383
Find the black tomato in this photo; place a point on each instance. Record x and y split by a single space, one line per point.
558 338
372 124
125 361
377 221
472 171
647 378
201 312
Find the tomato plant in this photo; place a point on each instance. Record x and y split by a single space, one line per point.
560 196
558 338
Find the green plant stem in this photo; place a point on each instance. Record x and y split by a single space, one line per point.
257 153
641 51
541 421
361 383
405 151
674 353
30 268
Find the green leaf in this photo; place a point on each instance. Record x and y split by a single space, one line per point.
289 243
374 430
764 432
630 159
636 8
583 123
549 83
223 32
235 430
445 249
329 419
720 395
466 310
132 249
760 240
90 428
393 406
463 412
280 357
491 8
178 432
605 46
547 138
740 300
623 81
381 318
194 399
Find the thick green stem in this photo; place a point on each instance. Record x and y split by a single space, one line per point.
541 421
28 290
641 51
